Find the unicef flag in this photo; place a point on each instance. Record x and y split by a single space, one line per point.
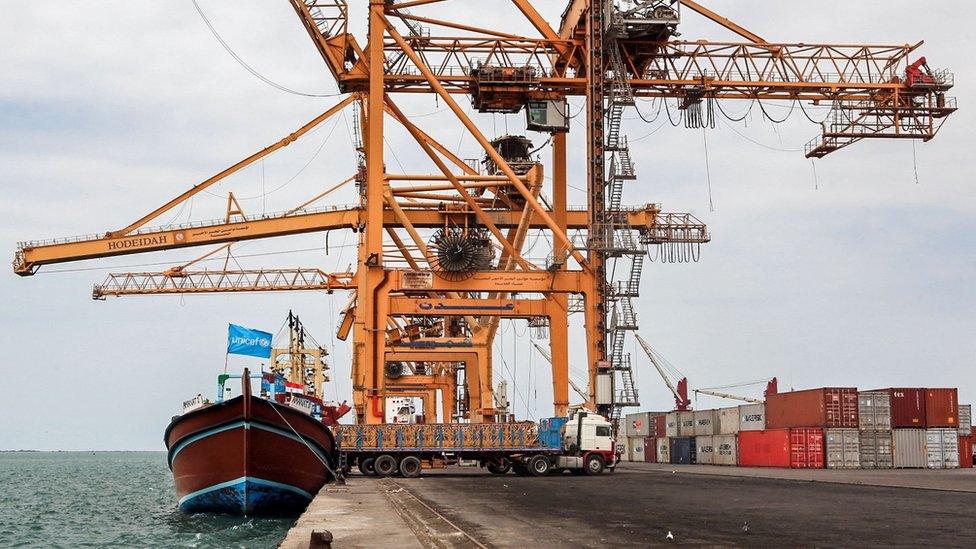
245 341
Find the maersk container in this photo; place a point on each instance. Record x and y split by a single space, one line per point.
942 408
826 407
908 448
752 417
727 420
942 448
664 450
636 446
724 450
671 425
637 425
965 420
875 447
874 410
766 448
966 452
704 450
650 450
683 450
660 426
907 406
705 423
807 448
843 448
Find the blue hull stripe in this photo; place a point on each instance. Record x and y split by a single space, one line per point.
251 480
246 425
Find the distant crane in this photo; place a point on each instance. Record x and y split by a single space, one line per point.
681 401
771 389
545 354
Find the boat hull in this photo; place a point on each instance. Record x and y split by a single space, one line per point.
248 456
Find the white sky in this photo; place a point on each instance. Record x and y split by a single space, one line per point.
110 108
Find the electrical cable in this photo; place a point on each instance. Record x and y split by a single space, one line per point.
753 141
740 119
771 119
668 111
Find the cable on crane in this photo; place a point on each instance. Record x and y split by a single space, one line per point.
754 142
667 110
656 114
250 69
802 108
773 120
744 115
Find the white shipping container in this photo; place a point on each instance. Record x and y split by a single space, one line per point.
728 420
638 425
704 450
843 448
965 420
725 450
671 426
636 445
704 422
908 448
752 417
623 447
874 410
875 450
663 450
604 389
686 424
942 448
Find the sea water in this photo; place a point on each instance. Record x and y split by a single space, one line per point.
111 499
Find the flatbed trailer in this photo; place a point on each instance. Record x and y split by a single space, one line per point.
581 444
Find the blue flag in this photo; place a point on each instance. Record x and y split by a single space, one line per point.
245 341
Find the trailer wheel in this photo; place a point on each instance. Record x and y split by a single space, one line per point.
386 465
539 465
499 466
594 464
410 467
366 466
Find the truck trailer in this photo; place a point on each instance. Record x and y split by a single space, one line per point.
581 444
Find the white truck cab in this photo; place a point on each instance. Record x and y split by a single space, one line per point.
587 443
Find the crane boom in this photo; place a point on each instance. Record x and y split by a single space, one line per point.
729 396
545 354
681 392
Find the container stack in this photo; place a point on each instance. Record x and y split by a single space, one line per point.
965 436
816 416
874 416
925 427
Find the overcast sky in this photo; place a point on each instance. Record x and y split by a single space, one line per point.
846 273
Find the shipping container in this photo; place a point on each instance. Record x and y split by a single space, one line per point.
637 425
767 448
664 450
705 423
942 408
875 448
807 448
636 445
907 406
843 448
704 451
752 417
683 450
874 410
660 426
908 447
650 450
727 420
623 447
725 450
942 448
966 452
965 420
826 407
671 425
686 424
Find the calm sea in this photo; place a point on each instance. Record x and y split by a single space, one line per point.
110 499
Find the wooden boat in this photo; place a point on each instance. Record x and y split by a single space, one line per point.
249 455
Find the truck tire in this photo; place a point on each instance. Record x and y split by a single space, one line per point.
539 465
500 466
386 466
366 466
593 465
410 467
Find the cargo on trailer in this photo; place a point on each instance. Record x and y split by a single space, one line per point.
908 448
825 407
965 420
907 406
752 417
664 450
875 447
636 446
650 450
942 408
807 448
874 410
843 448
683 450
767 448
704 451
942 448
724 450
705 423
966 452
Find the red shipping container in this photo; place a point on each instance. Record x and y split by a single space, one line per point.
942 407
827 407
807 448
650 450
660 426
907 407
966 452
769 448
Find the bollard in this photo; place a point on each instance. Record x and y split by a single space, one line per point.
320 539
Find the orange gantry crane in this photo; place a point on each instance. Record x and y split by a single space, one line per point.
441 257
